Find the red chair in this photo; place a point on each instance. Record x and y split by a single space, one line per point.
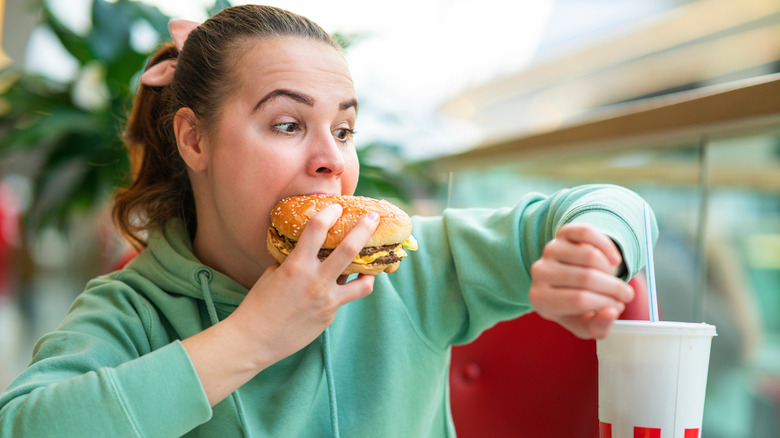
124 259
530 377
10 237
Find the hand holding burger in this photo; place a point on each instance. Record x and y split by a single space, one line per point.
383 251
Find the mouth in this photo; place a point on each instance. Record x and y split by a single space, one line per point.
312 194
321 193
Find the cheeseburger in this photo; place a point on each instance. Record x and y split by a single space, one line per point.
383 251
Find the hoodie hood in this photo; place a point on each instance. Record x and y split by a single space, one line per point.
170 263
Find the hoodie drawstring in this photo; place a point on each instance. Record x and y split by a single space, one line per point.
204 278
334 410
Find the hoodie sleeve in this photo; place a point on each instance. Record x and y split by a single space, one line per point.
473 267
97 376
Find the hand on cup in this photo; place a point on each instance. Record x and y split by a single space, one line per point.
574 282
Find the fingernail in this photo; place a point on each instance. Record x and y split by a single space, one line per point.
334 207
373 216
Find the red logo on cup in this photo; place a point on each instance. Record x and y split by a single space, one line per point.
605 430
647 432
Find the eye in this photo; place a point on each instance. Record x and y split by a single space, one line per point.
287 128
344 134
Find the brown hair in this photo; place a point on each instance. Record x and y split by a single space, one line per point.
160 188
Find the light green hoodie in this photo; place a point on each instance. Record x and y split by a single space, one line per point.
116 366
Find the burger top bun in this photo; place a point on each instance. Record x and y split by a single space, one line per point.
291 215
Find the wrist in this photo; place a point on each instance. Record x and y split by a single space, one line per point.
247 346
224 359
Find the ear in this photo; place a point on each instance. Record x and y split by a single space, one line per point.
189 141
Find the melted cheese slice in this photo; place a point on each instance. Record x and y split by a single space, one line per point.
410 244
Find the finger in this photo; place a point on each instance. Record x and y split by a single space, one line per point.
578 324
555 275
601 323
353 243
590 325
570 302
357 288
576 277
580 254
313 236
589 235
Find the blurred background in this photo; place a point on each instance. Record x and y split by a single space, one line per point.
463 104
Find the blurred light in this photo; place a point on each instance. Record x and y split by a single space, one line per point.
185 9
143 37
763 251
75 14
90 91
47 57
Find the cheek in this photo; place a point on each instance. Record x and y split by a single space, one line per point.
236 175
351 174
240 158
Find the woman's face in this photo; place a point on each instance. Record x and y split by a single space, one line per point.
286 130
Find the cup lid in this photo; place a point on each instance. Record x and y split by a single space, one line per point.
664 328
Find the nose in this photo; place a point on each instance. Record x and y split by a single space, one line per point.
327 156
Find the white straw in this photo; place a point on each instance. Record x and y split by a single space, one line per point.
651 292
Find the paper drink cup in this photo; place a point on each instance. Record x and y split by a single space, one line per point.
652 379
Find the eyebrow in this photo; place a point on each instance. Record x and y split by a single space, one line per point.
302 98
352 103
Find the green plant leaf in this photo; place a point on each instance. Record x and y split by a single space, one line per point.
75 44
110 36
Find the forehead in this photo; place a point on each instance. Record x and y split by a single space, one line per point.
291 63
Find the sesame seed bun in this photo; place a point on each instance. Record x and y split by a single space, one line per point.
290 216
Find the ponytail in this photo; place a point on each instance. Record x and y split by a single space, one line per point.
160 188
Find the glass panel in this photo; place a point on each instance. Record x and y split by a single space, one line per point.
743 289
741 276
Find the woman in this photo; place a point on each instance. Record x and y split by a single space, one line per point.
204 334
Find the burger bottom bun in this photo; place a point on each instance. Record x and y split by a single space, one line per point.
352 268
371 269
